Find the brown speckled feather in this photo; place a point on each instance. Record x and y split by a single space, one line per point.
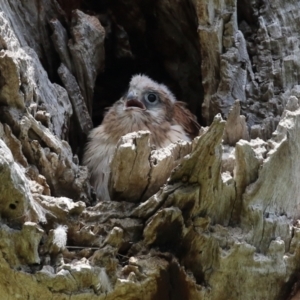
186 119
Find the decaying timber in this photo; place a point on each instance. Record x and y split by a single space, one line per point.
217 218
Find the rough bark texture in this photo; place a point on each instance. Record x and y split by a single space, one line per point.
217 218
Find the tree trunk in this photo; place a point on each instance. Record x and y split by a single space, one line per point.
217 218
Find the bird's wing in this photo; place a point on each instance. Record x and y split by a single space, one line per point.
186 119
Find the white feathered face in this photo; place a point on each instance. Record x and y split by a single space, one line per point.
146 99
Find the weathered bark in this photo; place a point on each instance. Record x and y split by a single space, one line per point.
217 218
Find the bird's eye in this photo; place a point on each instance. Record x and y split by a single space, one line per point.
151 98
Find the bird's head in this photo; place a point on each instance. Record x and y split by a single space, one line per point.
147 97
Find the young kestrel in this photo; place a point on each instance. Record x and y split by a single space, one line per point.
147 105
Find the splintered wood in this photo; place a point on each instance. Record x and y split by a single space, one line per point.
215 218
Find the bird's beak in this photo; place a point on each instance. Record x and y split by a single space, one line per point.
131 102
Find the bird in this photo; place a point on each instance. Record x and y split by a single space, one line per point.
147 105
